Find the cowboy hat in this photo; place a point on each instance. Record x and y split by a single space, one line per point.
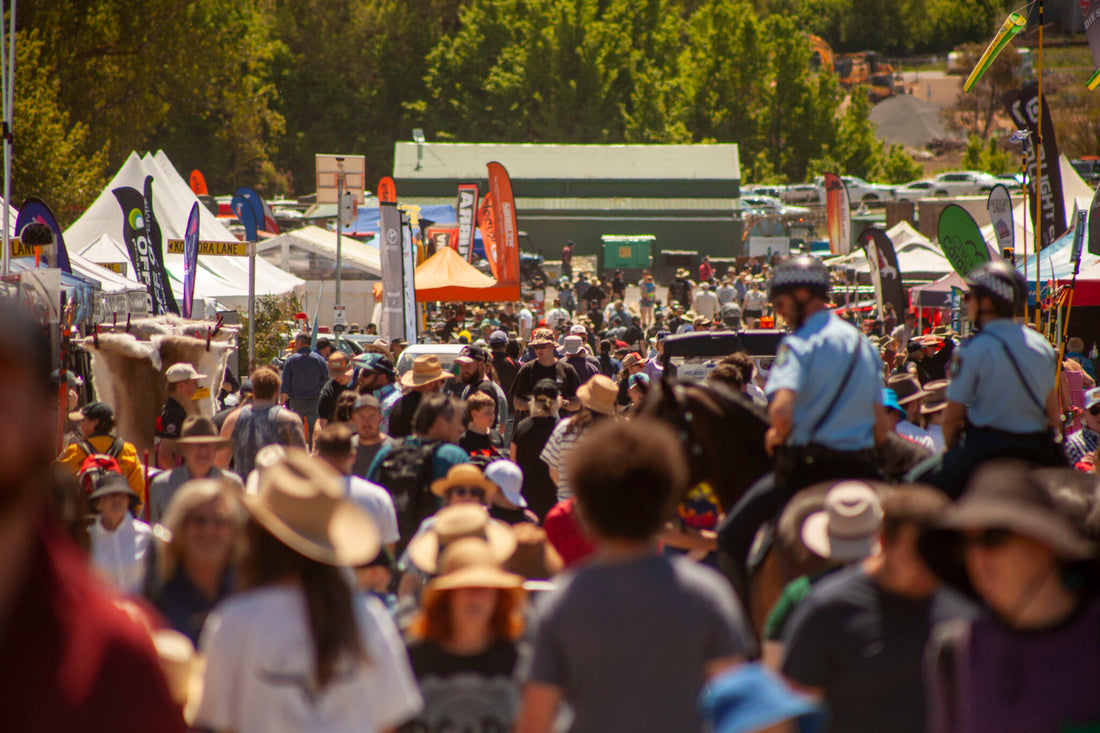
1001 495
464 474
198 430
935 397
301 501
426 369
456 522
847 528
469 562
599 394
906 387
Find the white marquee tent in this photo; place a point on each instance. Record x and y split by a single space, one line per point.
224 279
918 258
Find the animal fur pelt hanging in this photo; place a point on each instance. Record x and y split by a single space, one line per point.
128 370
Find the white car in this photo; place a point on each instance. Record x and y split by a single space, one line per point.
801 194
914 191
771 206
859 190
963 183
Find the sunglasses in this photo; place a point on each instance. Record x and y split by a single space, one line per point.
464 492
988 538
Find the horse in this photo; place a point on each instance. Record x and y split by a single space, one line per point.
722 433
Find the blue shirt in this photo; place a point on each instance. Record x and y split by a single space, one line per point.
983 378
811 361
445 456
304 375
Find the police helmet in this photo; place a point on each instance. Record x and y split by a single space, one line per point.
802 271
1000 281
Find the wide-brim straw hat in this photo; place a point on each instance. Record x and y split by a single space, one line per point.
302 502
426 369
599 394
457 522
471 563
199 430
464 474
1001 495
847 528
935 397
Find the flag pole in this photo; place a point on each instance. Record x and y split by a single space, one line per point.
7 91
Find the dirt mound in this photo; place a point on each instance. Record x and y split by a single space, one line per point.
910 121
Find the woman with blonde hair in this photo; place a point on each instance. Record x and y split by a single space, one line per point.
464 648
527 443
194 569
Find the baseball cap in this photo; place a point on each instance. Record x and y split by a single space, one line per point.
93 411
1092 398
660 336
636 379
472 353
890 401
71 378
375 362
578 330
545 388
498 337
246 386
182 372
367 400
509 479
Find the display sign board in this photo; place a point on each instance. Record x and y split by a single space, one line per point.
224 249
330 168
769 246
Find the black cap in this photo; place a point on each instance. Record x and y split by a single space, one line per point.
97 411
246 385
474 352
545 388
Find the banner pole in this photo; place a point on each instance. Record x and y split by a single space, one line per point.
339 227
251 306
7 72
1039 168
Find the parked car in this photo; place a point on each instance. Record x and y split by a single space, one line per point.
771 206
802 193
914 191
859 190
773 191
1088 168
445 352
963 183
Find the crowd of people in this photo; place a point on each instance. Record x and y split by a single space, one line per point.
519 542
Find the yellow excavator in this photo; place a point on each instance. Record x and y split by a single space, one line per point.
864 68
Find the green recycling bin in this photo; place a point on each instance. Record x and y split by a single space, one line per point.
630 253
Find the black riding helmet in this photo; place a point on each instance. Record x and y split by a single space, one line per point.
802 271
1000 282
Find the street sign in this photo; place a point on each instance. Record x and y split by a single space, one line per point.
352 169
224 249
120 267
18 249
339 315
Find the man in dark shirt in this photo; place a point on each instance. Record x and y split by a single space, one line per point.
858 640
505 365
304 375
339 380
544 366
183 383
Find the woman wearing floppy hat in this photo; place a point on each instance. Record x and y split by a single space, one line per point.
598 398
296 651
1031 665
119 541
465 651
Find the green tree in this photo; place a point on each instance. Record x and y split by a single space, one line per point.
897 166
52 156
989 157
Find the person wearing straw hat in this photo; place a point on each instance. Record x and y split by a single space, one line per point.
296 650
119 541
896 420
545 365
199 443
857 641
599 401
1031 664
426 376
933 404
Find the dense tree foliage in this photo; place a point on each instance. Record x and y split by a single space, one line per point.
250 90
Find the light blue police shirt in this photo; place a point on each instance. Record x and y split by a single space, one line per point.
984 380
811 361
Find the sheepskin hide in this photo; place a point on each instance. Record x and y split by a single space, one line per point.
128 373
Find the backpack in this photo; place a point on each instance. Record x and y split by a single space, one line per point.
95 464
406 472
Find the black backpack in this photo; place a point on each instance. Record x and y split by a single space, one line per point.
406 472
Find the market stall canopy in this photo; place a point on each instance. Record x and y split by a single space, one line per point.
918 257
1056 263
224 279
935 294
447 278
310 253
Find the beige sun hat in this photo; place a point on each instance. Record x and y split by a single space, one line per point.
425 370
847 528
599 394
302 502
464 474
454 523
198 430
470 563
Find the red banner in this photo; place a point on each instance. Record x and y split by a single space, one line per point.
507 230
486 222
838 215
387 190
198 183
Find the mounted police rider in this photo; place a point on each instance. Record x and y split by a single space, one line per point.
1001 400
826 412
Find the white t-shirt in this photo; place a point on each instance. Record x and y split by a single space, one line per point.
259 670
705 303
908 430
378 503
936 433
526 320
553 454
755 300
120 556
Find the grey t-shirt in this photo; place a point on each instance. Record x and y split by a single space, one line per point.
865 647
628 642
364 455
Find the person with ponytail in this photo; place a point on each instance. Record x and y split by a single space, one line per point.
530 438
297 650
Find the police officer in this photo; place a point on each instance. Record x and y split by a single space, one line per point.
825 393
1001 400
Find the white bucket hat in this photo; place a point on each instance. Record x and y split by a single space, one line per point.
847 528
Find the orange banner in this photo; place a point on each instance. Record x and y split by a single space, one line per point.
387 190
486 222
504 217
198 183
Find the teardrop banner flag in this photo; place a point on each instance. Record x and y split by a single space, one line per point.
198 183
999 206
1013 24
504 204
1025 108
244 212
136 237
838 215
1090 13
884 268
156 244
466 209
387 190
35 210
1094 224
961 240
486 222
190 259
